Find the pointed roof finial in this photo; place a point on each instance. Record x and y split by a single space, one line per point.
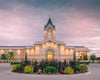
49 15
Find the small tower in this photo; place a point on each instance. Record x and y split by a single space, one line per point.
49 30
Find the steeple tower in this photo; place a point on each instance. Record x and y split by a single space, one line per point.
49 15
49 30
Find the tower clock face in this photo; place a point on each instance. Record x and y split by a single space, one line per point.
49 33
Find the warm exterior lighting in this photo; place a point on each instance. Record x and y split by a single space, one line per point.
46 43
55 44
44 32
71 50
32 50
88 53
76 53
1 51
27 50
53 33
18 51
66 50
10 50
81 52
52 43
50 57
43 45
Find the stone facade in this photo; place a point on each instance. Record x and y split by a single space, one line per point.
49 48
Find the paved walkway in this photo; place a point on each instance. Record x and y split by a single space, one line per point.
93 74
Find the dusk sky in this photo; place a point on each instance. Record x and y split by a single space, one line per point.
77 22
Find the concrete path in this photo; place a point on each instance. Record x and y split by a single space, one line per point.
93 74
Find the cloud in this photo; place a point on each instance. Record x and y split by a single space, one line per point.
77 22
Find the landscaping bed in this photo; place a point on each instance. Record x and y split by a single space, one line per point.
49 67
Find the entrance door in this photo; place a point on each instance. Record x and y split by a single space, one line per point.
49 55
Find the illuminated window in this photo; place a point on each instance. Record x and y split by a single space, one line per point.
18 51
52 43
10 50
14 57
32 50
1 51
71 50
22 57
49 55
49 33
76 53
66 50
27 50
55 44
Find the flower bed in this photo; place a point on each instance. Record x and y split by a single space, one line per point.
50 68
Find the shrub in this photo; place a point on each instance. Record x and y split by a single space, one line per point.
13 63
20 67
84 68
3 56
15 67
68 70
29 69
84 63
79 68
50 69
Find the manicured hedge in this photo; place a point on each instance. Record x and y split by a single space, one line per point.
84 63
14 63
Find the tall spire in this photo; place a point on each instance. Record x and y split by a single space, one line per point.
49 22
49 15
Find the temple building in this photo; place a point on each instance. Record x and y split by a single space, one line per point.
48 49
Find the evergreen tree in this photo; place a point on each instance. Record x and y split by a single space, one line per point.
93 57
85 57
10 55
74 59
25 56
3 56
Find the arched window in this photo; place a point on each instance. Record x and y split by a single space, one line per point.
22 57
49 33
49 55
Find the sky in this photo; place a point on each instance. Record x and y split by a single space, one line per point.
77 22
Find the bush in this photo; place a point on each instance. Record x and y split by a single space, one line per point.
84 63
13 63
15 67
79 68
29 69
20 67
50 69
3 56
84 68
68 70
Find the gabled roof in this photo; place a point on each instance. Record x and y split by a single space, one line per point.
49 22
49 40
76 46
17 46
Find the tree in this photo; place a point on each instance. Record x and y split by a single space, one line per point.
74 59
85 57
10 55
25 56
3 56
93 57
